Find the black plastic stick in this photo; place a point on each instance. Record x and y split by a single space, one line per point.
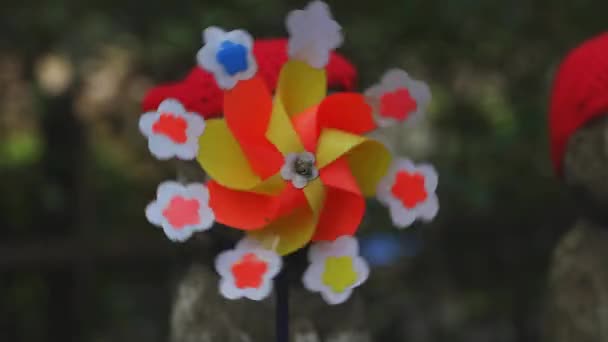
282 307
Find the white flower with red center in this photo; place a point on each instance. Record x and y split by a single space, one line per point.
313 34
172 131
228 56
335 269
181 210
247 270
398 98
408 190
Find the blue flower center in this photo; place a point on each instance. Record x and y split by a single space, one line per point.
233 57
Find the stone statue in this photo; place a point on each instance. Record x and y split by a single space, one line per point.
577 302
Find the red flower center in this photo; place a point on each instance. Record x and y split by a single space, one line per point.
409 188
182 212
172 126
249 271
397 104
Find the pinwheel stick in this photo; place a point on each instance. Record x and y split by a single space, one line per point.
282 307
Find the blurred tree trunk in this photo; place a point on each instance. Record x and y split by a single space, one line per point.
63 164
578 296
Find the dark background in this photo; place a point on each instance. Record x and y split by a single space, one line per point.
79 262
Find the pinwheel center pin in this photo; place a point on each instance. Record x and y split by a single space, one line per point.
304 167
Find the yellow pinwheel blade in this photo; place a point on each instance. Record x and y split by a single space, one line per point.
368 159
287 234
300 86
221 156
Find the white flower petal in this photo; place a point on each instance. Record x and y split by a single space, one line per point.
333 298
394 79
313 34
196 126
344 245
288 171
199 191
307 156
161 147
213 34
299 181
431 179
429 209
171 106
314 173
146 121
185 151
401 216
153 214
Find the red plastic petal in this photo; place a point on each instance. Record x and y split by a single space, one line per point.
307 128
344 205
204 101
247 110
248 210
347 112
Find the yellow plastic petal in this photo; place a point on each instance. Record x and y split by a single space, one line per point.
339 273
221 157
368 159
334 143
300 86
287 234
315 196
369 163
280 130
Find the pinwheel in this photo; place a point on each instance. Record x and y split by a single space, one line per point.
290 167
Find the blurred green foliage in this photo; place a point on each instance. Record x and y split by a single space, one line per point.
72 161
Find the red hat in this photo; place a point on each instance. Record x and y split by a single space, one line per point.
199 93
580 93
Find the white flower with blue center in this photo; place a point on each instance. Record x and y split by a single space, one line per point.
228 56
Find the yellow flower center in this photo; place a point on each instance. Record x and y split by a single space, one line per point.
339 273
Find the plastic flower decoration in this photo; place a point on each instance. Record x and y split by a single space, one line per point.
398 98
294 168
335 269
409 192
181 210
247 271
171 131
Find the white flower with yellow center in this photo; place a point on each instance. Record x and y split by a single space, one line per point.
335 269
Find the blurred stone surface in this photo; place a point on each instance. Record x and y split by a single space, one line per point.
200 314
577 302
578 296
